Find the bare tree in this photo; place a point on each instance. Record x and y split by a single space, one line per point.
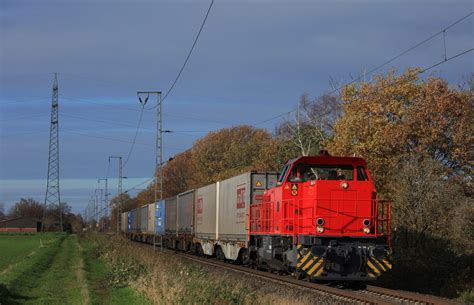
312 124
2 211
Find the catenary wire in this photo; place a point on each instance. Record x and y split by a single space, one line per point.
189 54
134 137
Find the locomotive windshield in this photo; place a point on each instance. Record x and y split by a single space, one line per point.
306 172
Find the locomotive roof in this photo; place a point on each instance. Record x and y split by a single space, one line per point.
324 159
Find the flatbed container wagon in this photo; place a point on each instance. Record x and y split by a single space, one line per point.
230 206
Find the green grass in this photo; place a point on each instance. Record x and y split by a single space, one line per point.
100 275
62 269
16 247
18 283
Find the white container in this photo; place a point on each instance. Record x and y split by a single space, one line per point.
205 212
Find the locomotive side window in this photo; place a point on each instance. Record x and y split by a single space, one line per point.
307 172
282 175
361 174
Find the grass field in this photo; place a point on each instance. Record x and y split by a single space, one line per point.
56 269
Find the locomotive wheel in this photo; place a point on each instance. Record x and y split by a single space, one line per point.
245 257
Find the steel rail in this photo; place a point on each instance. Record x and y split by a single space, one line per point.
370 295
410 296
345 294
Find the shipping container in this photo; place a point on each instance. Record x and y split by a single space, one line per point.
171 215
235 196
160 218
151 218
143 214
185 212
205 212
139 219
124 222
134 220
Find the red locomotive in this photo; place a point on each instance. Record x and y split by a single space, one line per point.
322 221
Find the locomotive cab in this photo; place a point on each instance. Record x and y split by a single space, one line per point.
323 221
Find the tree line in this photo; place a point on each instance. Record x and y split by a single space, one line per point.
49 215
417 137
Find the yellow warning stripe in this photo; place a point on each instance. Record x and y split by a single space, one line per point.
310 262
376 271
378 264
318 267
387 264
304 260
371 274
321 269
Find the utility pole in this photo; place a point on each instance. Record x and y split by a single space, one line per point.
119 205
106 196
94 207
158 181
98 203
52 186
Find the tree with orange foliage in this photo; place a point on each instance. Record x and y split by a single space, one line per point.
417 136
397 116
229 152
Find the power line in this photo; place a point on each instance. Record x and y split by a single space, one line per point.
102 137
35 99
446 60
25 117
403 52
189 54
103 121
141 183
116 139
115 106
134 137
442 31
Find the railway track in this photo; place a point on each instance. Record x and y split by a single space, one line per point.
370 295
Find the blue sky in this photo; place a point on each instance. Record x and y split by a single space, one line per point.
253 61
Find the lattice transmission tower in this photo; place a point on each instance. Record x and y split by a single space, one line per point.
52 187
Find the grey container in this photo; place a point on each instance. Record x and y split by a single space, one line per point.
205 212
124 222
135 224
171 215
185 212
140 219
235 196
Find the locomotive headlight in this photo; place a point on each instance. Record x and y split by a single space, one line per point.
366 222
320 221
344 185
366 230
320 229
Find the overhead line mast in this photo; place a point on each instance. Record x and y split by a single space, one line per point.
52 187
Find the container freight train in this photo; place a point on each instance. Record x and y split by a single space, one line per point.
318 219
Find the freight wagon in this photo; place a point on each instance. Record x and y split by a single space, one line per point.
212 220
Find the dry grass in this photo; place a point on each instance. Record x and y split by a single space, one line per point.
167 279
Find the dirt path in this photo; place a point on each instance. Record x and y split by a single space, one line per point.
81 277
